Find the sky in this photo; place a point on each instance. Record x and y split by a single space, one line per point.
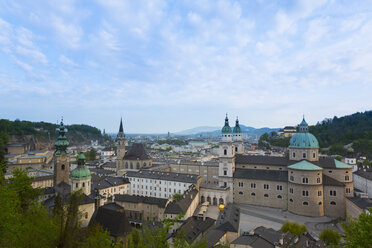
173 65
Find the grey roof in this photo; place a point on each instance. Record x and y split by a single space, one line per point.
113 219
42 178
137 151
167 176
100 171
329 181
364 174
107 182
254 241
141 199
269 234
109 165
182 204
213 236
228 219
270 175
363 203
194 226
324 162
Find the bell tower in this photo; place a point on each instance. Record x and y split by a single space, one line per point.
226 159
120 147
61 157
237 138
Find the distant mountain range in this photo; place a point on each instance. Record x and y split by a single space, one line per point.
215 131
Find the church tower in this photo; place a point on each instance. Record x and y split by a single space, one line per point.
80 176
120 147
61 157
226 159
237 138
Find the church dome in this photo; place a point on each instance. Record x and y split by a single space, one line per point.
237 128
226 128
80 172
303 140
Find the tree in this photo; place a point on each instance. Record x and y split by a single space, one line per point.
91 155
293 227
358 232
330 237
263 141
176 197
366 163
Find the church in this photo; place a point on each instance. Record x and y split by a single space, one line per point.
302 182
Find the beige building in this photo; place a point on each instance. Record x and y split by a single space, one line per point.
302 183
137 157
207 170
142 207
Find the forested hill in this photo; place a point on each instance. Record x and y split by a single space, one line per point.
45 132
337 132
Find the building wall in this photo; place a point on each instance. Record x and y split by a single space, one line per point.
298 154
121 189
48 182
84 185
363 184
142 210
243 193
61 169
218 196
137 164
208 173
156 188
337 210
342 175
261 167
352 210
87 211
16 149
297 199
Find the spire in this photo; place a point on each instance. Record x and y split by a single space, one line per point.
237 128
226 128
61 143
226 121
121 130
304 127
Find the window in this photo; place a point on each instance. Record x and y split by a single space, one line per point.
294 154
304 155
63 167
333 203
240 184
291 178
266 195
77 185
225 184
268 168
253 194
83 184
320 203
225 172
319 193
279 187
313 154
266 186
236 149
279 197
318 180
240 193
305 203
305 180
86 215
253 185
291 190
329 171
225 152
332 192
348 190
291 200
305 193
346 178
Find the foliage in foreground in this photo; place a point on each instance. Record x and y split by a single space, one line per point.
330 237
358 232
293 227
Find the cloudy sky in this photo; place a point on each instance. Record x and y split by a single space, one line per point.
173 65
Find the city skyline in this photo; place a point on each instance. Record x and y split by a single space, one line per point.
165 66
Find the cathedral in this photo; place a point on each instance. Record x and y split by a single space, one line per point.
301 182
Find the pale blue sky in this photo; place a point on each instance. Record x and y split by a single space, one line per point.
173 65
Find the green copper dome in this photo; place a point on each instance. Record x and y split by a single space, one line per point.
226 128
303 139
81 172
61 143
237 128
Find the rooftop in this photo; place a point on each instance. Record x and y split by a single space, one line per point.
305 165
270 175
166 176
137 151
141 199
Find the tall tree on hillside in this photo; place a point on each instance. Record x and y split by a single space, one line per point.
358 232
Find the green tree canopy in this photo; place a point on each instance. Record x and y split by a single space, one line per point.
330 237
358 232
293 227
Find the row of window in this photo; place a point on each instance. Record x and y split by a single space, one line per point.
303 155
304 179
266 186
305 203
155 181
165 189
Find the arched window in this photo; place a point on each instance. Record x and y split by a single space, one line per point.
83 185
225 152
266 195
320 203
333 203
144 164
86 215
236 149
291 200
305 203
253 194
63 167
131 165
138 165
279 197
126 165
240 192
304 155
318 180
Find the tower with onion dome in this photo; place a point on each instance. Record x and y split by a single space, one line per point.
237 138
61 157
226 159
80 176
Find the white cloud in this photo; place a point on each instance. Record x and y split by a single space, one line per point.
23 65
316 30
69 34
67 61
32 53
